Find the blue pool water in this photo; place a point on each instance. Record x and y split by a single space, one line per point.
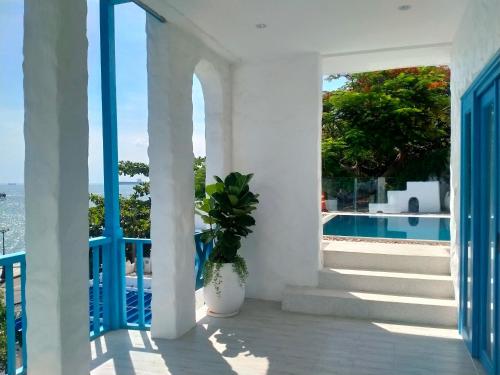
415 228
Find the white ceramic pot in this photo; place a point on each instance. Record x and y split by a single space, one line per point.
232 294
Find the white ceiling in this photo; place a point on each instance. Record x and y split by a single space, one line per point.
334 28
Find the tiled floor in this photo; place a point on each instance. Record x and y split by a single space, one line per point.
263 339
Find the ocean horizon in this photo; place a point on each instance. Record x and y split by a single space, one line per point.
12 212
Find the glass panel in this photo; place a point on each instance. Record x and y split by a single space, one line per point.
490 123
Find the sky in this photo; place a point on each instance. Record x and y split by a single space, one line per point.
131 90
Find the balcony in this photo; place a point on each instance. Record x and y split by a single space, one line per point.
134 300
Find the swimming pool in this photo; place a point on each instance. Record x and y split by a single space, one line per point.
402 227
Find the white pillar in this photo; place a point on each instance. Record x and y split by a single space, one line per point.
170 71
56 178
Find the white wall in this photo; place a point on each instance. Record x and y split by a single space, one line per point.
476 41
276 135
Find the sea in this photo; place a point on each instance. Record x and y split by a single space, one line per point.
12 213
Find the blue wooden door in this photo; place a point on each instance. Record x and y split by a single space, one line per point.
467 311
479 212
488 229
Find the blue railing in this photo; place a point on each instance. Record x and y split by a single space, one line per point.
99 248
15 322
137 298
203 250
137 311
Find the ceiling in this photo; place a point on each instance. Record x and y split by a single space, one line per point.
333 28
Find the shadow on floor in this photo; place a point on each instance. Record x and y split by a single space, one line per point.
263 340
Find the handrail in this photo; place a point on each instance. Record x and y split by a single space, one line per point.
99 241
140 315
8 262
9 259
137 240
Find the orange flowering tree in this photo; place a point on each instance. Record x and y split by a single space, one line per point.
393 123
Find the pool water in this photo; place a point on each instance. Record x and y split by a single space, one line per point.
404 227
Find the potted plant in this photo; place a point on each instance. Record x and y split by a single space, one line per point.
227 209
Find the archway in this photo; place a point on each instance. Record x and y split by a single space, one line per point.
216 155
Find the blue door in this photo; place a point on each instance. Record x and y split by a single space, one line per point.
488 228
467 260
479 224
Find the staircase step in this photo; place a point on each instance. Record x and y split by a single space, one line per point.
413 258
407 284
371 306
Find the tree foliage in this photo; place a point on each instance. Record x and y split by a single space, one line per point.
393 123
135 210
200 174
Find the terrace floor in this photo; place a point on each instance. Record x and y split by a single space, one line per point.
263 339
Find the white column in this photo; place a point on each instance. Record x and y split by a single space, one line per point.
170 72
56 178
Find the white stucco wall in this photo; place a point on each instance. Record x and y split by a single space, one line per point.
276 136
173 55
477 40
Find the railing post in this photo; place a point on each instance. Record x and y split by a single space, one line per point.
112 273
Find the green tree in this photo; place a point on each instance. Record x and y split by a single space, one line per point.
393 123
135 210
200 174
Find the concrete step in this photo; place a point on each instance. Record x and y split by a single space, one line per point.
407 284
412 258
371 306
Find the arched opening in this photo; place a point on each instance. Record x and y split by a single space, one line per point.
216 154
210 156
413 205
199 142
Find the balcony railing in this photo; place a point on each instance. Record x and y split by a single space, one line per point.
14 338
135 292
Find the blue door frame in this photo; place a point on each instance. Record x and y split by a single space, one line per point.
479 320
113 262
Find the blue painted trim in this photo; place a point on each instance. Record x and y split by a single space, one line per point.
489 72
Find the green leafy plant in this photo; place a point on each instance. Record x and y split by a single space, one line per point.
227 208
